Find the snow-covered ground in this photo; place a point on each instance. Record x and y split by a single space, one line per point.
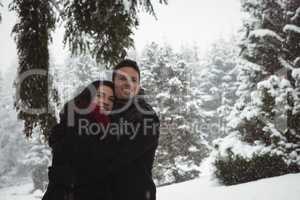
22 191
285 187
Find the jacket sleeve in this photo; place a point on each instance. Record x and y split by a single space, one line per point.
57 133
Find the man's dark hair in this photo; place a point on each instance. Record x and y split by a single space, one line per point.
126 63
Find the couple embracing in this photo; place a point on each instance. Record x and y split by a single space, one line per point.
104 145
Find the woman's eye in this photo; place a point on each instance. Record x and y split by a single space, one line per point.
100 95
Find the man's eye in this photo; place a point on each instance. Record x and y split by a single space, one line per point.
122 78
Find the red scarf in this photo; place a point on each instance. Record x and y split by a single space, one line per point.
98 116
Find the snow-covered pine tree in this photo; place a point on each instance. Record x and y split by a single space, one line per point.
13 144
265 121
38 158
215 80
81 71
249 152
166 79
274 44
73 75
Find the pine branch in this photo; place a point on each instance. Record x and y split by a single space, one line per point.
56 4
33 34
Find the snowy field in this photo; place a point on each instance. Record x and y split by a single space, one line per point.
285 187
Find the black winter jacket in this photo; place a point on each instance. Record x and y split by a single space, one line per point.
117 167
77 171
131 169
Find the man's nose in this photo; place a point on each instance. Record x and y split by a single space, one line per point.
127 84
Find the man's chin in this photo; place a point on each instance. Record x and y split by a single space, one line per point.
127 95
123 97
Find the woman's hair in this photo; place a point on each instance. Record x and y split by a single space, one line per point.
85 97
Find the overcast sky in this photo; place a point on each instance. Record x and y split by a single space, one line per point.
190 22
181 22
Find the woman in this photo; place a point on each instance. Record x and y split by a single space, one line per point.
76 146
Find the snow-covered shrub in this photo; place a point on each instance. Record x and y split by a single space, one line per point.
259 145
234 169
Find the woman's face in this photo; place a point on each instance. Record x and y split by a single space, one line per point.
104 98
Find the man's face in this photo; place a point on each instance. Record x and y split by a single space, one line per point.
104 98
127 83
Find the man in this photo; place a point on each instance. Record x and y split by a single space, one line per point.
131 169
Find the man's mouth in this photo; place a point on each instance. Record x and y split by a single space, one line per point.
126 91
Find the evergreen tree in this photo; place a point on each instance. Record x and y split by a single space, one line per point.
180 148
32 34
264 117
38 158
216 81
273 44
74 75
12 147
101 28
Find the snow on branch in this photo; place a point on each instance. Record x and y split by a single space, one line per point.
291 28
285 63
266 34
296 16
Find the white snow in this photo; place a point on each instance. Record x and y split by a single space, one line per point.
234 143
262 33
297 14
127 5
175 82
20 192
285 187
296 73
285 63
292 28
